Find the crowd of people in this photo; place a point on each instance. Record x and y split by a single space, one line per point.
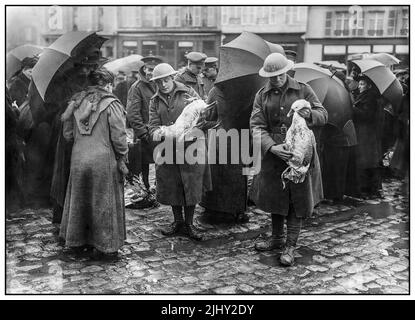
76 158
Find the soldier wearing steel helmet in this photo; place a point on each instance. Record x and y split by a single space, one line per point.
191 75
179 185
269 119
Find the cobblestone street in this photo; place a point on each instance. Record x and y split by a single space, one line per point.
342 250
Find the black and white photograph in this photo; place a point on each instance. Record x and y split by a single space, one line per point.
186 149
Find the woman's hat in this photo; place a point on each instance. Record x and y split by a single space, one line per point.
274 65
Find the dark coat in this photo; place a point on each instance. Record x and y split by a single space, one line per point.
19 86
138 102
94 204
191 80
207 84
270 113
177 184
367 119
401 155
229 185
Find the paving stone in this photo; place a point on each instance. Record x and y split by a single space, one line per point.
91 269
225 290
398 267
356 267
316 268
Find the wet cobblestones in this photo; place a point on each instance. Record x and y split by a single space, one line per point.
342 250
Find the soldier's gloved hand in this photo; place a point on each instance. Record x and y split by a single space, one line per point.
280 151
305 113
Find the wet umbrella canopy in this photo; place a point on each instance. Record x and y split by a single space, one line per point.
384 58
242 56
125 64
14 58
330 91
61 56
383 78
240 61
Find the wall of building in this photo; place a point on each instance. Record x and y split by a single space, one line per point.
330 35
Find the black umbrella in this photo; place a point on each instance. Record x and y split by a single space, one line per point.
330 91
240 61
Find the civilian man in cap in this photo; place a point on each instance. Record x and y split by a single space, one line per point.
138 102
210 72
181 184
191 74
269 119
19 85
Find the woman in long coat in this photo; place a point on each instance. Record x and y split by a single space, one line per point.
178 185
93 213
367 116
229 186
269 120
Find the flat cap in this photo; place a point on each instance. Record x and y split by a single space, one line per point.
195 56
152 60
211 61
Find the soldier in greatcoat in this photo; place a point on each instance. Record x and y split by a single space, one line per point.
179 185
269 120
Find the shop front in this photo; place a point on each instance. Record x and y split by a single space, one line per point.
172 47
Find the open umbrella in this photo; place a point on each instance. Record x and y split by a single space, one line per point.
385 58
14 58
125 64
330 91
275 47
240 61
383 78
242 56
61 55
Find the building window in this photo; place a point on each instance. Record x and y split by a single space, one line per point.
273 17
148 47
225 15
128 17
197 16
157 16
341 24
375 23
358 25
262 15
166 50
327 30
405 22
391 22
248 15
292 15
148 17
129 47
100 18
173 17
209 48
232 15
211 19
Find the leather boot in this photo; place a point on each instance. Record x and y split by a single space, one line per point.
192 232
287 256
270 244
172 229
